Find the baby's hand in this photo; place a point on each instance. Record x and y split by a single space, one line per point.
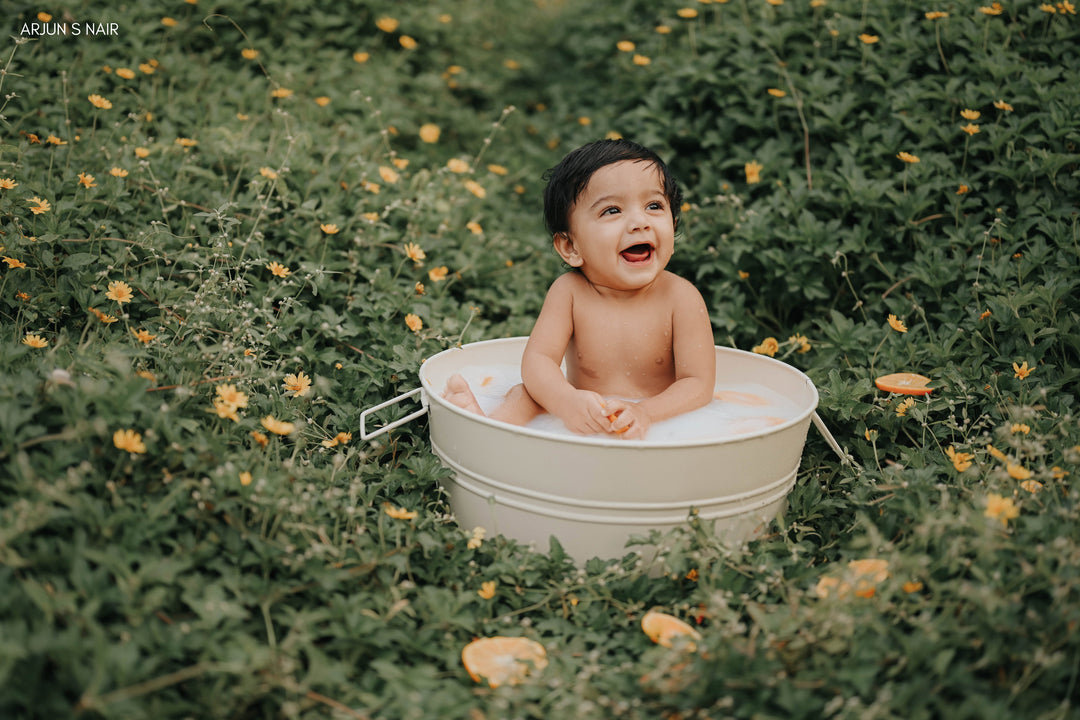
585 414
627 419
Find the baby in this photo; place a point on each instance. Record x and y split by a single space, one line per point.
637 339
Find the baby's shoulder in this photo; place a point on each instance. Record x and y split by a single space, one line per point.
678 287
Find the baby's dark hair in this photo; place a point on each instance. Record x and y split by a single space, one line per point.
567 180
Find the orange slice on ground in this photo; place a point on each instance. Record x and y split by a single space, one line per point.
904 384
503 660
740 398
663 629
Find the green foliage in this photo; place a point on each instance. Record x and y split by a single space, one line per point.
205 565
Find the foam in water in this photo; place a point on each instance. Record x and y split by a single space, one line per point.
738 408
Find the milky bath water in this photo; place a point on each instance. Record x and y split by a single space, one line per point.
737 408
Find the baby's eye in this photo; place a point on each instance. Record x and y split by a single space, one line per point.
610 210
656 205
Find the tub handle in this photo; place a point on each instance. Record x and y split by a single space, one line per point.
365 435
845 459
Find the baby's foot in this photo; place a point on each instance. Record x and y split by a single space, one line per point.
457 392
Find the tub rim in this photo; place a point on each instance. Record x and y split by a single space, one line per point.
434 395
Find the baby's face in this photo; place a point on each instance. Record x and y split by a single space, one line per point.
621 227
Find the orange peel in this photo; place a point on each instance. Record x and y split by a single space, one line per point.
502 660
663 629
904 383
611 418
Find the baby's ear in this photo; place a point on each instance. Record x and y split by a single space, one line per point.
566 249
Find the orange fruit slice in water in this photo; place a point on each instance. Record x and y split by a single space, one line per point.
904 384
663 629
503 660
740 398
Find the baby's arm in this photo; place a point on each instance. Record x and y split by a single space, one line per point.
695 368
581 410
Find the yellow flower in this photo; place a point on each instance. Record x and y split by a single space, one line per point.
970 128
1022 371
371 187
897 324
407 42
1001 508
776 92
329 228
399 513
14 263
1032 486
487 590
457 165
1047 7
429 132
147 68
438 274
768 346
371 217
969 114
497 169
119 291
1002 105
870 435
936 14
1066 7
126 73
7 183
753 171
414 322
912 586
186 142
249 53
44 16
107 319
474 227
34 341
663 29
400 163
869 39
625 45
268 173
387 24
278 269
477 538
281 92
299 384
99 102
260 438
129 440
419 288
342 438
511 64
228 394
817 3
641 59
963 190
168 22
414 252
686 13
996 453
861 579
53 140
801 341
476 189
1017 471
143 336
141 152
245 478
39 206
118 172
389 175
995 9
1020 428
960 460
224 410
361 57
278 427
906 405
907 157
87 180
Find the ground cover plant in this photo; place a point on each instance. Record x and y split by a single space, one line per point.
228 229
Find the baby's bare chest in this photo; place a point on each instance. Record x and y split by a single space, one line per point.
631 349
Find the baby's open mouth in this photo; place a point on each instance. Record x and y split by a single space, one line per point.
641 252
